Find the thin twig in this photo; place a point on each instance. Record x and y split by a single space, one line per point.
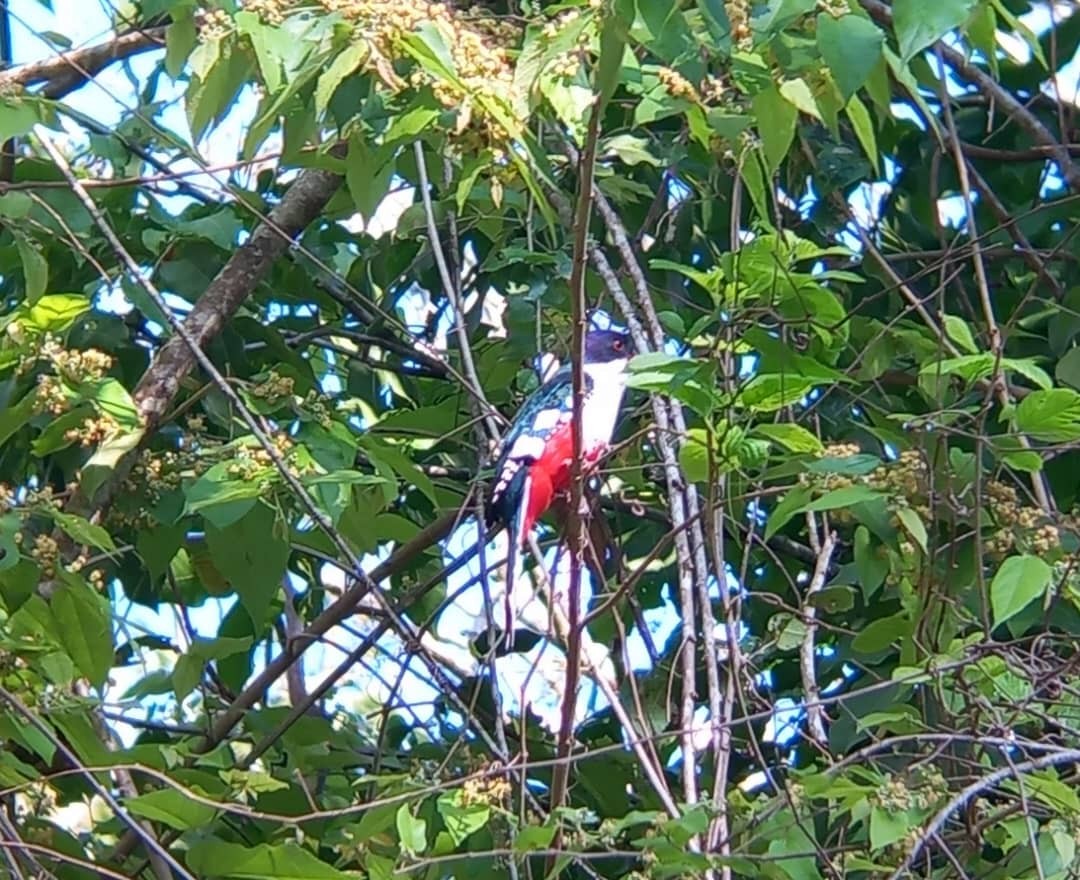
452 294
815 714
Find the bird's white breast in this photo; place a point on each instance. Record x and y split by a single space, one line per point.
605 398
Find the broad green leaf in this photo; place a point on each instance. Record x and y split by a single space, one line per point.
851 46
887 826
913 525
957 329
34 264
56 312
15 417
173 808
776 118
1052 416
1067 370
210 857
412 831
84 618
768 393
220 498
880 634
82 531
863 127
462 819
181 37
694 456
846 496
794 438
793 501
798 92
252 555
1019 581
1031 371
918 24
267 41
347 61
18 116
534 837
872 566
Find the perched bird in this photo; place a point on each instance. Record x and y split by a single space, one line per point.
534 460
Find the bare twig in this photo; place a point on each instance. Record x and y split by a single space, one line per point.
815 713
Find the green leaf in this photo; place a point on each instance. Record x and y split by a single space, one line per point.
409 124
180 38
630 149
220 499
15 417
18 116
792 502
836 499
252 555
57 311
863 127
871 567
794 438
913 525
694 458
1019 581
767 393
172 808
880 634
267 41
263 861
1067 370
851 46
82 531
344 63
462 819
35 266
534 837
1052 416
1031 371
959 332
887 827
918 23
776 118
412 830
367 175
84 618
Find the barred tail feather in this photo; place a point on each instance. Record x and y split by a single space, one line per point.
517 534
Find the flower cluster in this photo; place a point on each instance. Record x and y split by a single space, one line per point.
490 790
677 85
928 789
1018 523
269 11
274 388
93 430
476 43
738 13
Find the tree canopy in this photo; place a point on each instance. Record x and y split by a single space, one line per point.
821 618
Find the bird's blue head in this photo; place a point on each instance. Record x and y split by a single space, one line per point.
605 346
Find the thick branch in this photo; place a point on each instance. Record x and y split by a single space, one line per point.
67 71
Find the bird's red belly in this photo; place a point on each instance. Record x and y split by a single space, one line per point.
550 474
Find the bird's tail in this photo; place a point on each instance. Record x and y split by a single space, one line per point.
514 565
